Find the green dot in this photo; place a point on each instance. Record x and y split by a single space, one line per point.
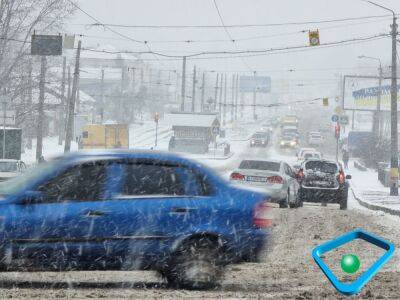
350 263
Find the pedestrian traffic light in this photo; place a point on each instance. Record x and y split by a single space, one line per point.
325 101
313 37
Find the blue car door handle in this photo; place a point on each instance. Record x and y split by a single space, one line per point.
94 213
182 210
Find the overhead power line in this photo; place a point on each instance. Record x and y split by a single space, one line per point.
241 25
228 34
243 53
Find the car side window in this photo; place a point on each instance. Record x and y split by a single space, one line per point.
83 182
151 179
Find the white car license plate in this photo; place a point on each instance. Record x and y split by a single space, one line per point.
255 178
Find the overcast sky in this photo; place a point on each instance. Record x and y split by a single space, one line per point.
317 66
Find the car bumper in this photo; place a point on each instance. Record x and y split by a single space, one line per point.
276 194
318 195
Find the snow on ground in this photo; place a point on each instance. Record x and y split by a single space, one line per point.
51 148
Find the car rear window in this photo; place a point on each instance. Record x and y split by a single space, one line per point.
321 166
260 165
259 135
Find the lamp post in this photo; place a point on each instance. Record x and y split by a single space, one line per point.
394 162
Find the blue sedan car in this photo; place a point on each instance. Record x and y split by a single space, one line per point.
127 210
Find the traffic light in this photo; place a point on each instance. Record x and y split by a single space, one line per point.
313 37
325 101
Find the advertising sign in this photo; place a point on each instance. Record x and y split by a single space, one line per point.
260 84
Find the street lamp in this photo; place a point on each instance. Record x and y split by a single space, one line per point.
394 162
376 128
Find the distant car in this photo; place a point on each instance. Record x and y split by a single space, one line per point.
288 141
290 130
323 181
111 210
300 153
315 139
312 155
10 168
259 139
275 177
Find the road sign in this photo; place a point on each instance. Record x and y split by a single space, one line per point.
260 84
344 120
46 45
338 110
314 37
325 101
335 118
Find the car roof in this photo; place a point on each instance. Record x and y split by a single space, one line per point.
263 159
321 160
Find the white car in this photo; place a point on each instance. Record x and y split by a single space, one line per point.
300 153
277 178
311 155
10 168
315 138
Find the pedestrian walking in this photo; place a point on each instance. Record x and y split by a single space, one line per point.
346 157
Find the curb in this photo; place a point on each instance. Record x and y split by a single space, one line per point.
375 207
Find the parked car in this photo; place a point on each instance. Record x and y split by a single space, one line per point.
259 139
10 168
315 138
323 181
126 210
275 177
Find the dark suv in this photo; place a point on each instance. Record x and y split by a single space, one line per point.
323 181
259 139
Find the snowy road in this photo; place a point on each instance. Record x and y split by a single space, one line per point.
286 271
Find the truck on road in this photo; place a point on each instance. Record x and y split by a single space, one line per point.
104 136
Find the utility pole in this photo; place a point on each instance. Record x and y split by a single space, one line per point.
133 95
101 108
232 96
254 97
216 92
30 100
62 103
39 133
394 162
203 85
71 104
194 90
236 96
225 94
183 87
220 97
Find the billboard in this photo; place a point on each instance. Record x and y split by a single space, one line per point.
363 95
46 45
260 84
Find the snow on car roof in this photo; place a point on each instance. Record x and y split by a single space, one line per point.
191 120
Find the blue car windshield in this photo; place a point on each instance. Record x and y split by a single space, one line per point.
14 185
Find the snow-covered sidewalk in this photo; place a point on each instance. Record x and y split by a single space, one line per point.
370 193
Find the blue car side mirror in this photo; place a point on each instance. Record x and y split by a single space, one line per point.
31 197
